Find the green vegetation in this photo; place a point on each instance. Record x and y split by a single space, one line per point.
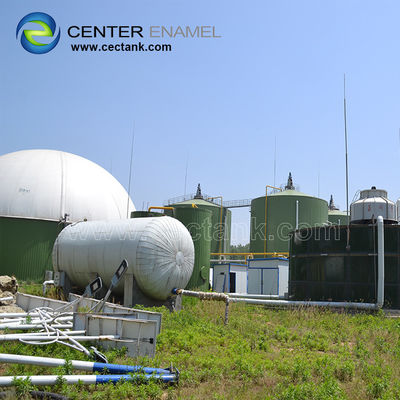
239 248
36 289
261 354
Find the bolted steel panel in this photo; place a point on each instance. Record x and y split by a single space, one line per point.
26 247
198 222
281 218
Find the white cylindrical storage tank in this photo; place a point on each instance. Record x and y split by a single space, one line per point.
159 251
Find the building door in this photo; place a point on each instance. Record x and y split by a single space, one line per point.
232 282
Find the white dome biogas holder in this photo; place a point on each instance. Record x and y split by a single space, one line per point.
54 185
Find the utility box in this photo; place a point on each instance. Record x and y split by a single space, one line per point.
268 276
229 278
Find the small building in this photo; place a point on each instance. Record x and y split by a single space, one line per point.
229 278
269 276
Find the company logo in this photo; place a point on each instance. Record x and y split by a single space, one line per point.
27 37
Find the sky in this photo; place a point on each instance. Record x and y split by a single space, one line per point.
214 105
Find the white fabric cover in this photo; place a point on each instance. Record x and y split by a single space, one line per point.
47 184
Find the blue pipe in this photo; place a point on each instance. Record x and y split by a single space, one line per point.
127 369
167 378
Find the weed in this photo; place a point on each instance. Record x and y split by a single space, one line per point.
281 334
23 387
377 388
345 371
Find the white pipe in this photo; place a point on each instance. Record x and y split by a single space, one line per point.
75 344
203 295
50 379
25 327
7 298
255 296
32 335
35 314
45 283
282 303
45 380
63 338
19 321
18 315
289 303
297 214
42 361
381 263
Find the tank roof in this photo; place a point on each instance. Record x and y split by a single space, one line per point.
291 192
337 212
198 202
294 193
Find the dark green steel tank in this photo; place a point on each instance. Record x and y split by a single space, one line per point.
198 223
335 216
220 235
143 214
281 218
26 247
322 267
228 231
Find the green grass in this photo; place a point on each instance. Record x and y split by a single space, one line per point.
36 289
261 354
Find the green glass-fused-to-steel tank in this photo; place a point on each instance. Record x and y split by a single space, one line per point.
143 214
322 267
26 246
281 218
198 222
220 235
337 217
210 226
